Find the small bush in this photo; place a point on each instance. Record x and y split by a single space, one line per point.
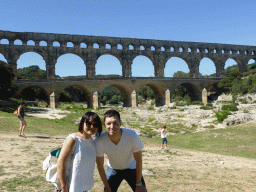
205 107
153 103
42 104
151 119
229 107
181 109
209 126
197 103
254 101
246 111
172 107
243 101
180 104
221 115
250 98
151 108
209 104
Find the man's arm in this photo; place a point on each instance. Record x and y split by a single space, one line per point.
138 159
100 165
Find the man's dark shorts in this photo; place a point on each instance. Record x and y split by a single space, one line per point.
115 177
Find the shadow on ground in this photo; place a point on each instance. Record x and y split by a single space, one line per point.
41 137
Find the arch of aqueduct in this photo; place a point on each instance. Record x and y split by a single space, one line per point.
125 49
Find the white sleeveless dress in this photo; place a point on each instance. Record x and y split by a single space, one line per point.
81 167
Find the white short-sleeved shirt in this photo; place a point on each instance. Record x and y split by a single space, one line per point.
163 133
120 155
80 177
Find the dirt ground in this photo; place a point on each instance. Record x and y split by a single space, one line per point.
174 169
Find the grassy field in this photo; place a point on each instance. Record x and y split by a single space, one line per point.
237 140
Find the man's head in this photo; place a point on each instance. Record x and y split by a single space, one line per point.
112 122
164 127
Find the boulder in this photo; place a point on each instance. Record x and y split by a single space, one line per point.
237 118
225 98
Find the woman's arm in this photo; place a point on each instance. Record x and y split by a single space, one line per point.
19 109
65 152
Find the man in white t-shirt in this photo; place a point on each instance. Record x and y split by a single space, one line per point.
123 148
163 136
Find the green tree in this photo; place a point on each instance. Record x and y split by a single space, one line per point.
110 91
71 94
34 93
31 72
7 86
147 93
180 91
114 100
180 74
227 82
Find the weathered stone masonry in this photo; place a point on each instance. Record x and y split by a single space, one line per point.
125 49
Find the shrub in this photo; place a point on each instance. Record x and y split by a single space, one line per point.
180 104
42 104
187 99
151 108
221 115
153 103
205 107
243 101
181 109
209 126
229 107
246 111
209 104
197 103
172 107
151 119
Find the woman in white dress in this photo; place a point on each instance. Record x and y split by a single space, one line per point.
77 175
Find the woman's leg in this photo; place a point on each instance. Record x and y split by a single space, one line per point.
21 125
24 126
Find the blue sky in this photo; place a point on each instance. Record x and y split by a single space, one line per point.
219 21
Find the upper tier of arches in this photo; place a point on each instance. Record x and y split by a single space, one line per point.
117 43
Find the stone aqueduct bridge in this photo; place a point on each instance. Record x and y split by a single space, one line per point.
125 49
163 87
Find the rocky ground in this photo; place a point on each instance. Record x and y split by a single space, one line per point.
163 170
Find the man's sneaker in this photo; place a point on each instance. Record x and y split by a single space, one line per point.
166 148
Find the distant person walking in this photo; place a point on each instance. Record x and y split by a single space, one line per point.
163 136
21 115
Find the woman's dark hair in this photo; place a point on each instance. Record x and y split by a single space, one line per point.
112 113
86 117
22 103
